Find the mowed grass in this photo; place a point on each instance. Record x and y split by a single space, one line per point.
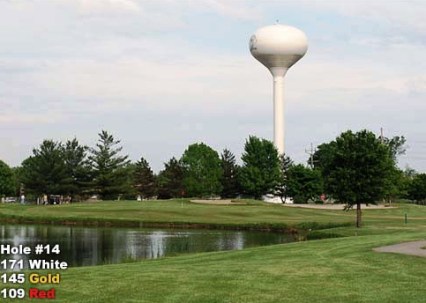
185 212
331 270
175 211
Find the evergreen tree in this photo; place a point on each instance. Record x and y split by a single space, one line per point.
77 166
281 188
7 180
202 171
45 171
229 180
144 179
260 172
110 176
170 180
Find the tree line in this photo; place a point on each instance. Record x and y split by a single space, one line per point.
353 168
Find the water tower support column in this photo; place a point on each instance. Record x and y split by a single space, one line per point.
279 125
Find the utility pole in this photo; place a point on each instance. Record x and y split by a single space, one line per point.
311 153
382 138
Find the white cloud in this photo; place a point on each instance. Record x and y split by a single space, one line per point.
234 9
396 14
89 6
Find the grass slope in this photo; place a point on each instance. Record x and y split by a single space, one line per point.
331 270
184 212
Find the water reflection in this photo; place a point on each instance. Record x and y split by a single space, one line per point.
84 246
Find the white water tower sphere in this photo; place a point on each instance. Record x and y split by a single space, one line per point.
278 47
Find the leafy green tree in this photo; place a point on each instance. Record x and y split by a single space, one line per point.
304 183
18 183
260 172
229 180
281 189
408 175
324 155
417 189
409 172
170 180
45 171
203 170
355 168
396 146
78 168
7 180
395 185
109 167
144 179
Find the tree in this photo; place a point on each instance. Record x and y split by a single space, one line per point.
229 180
144 179
417 189
203 171
128 190
77 167
324 155
396 146
304 183
109 168
260 172
281 189
7 180
18 183
45 171
170 180
409 172
395 185
355 167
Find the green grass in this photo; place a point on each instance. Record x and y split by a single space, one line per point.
255 214
331 270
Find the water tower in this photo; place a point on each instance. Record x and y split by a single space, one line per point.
278 47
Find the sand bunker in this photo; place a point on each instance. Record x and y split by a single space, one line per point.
218 202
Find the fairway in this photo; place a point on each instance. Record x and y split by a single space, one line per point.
254 215
178 212
342 269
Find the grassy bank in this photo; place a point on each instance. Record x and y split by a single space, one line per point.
256 215
331 270
176 213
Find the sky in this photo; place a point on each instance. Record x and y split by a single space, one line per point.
160 75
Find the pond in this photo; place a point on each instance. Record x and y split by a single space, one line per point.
86 246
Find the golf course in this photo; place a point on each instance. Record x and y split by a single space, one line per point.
335 264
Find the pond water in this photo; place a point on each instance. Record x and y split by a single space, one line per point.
85 246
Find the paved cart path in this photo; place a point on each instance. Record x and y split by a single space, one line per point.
338 206
416 248
217 202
